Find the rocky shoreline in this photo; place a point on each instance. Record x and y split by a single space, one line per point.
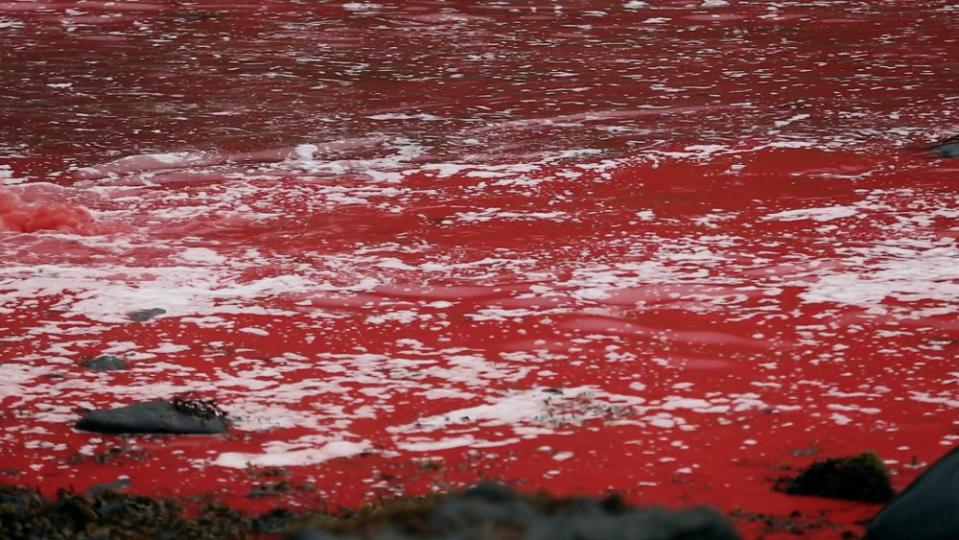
486 511
489 510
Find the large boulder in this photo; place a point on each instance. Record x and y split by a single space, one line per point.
928 509
155 417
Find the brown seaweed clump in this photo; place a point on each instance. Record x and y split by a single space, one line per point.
862 477
24 514
202 408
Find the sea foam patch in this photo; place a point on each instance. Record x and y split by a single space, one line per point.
292 455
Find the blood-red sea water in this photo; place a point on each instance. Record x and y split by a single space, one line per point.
673 249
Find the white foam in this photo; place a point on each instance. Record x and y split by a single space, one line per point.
910 274
827 213
202 255
291 458
109 294
361 6
532 408
432 445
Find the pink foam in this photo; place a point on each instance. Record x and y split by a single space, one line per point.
19 215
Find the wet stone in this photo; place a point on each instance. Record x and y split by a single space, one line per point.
152 417
928 509
862 477
145 315
117 486
104 362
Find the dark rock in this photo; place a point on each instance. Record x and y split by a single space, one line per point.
948 148
928 509
117 486
145 315
310 534
151 417
268 490
104 362
19 500
493 511
856 478
647 524
272 522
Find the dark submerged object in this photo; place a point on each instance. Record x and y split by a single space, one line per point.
926 510
144 315
492 511
179 416
104 362
947 148
861 477
117 486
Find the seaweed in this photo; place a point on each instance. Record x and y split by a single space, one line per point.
105 515
201 408
862 477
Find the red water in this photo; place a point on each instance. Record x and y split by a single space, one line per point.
668 250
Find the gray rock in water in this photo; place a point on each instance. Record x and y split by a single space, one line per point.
104 362
144 315
151 417
948 148
117 486
926 510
